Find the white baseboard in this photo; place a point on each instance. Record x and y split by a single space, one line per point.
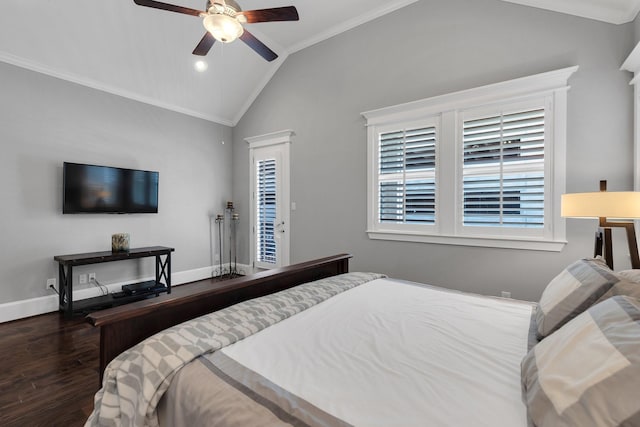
32 307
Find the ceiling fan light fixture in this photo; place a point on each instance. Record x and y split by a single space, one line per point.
201 66
223 28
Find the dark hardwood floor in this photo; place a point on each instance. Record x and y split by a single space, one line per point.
50 369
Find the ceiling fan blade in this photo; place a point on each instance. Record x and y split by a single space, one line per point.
170 7
287 13
205 44
258 46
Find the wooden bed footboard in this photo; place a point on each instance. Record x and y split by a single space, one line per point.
124 326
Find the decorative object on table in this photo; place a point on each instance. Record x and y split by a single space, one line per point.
604 205
120 242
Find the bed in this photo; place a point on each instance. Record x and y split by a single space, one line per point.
363 349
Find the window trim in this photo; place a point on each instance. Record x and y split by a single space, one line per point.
448 110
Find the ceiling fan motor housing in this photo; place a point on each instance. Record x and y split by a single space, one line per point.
228 7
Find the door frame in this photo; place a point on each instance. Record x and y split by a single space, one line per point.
284 139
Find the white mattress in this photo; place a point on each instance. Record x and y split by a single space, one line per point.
391 353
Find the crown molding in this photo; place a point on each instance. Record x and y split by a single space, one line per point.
632 64
351 23
94 84
611 11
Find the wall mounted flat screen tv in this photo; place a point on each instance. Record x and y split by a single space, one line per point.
104 189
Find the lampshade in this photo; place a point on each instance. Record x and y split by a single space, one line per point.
607 204
223 28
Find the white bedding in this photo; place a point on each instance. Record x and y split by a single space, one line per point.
392 353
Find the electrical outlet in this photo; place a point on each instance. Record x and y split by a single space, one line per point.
505 294
92 276
51 283
82 279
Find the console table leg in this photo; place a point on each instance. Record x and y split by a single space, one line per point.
65 294
163 270
169 273
62 287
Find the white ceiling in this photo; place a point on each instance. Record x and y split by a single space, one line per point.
145 54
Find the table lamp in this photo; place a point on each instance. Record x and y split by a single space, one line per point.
605 205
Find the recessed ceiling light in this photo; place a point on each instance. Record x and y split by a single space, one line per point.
201 66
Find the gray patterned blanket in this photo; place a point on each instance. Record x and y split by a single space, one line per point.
135 381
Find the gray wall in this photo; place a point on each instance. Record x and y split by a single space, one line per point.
426 49
45 121
636 29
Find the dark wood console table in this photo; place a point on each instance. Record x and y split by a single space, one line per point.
65 273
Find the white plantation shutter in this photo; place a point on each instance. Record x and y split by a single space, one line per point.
406 176
503 170
479 167
266 211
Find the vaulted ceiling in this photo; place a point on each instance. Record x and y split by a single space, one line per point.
145 54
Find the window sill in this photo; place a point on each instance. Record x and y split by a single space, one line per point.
487 242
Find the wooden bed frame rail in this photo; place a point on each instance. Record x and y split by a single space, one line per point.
124 326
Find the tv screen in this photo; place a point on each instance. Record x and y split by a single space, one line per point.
104 189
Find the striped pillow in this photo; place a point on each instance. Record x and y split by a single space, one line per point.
571 292
587 373
630 275
629 285
622 288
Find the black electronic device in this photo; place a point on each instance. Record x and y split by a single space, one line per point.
141 288
105 189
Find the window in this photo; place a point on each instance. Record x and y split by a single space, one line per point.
503 169
407 176
482 167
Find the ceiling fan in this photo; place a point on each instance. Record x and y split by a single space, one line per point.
223 20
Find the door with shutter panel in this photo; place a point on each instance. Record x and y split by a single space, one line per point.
270 213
